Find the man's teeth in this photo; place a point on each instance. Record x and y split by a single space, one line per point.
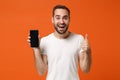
61 26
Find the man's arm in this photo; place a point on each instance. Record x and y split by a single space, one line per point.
85 61
85 56
40 61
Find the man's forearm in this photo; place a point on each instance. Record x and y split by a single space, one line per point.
85 61
40 65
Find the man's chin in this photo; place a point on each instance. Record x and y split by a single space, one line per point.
60 31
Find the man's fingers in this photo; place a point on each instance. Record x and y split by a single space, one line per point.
29 37
85 44
28 40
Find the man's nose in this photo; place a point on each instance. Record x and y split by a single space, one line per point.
61 21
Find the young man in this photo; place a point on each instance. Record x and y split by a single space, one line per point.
61 51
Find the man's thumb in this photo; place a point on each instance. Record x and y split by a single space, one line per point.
86 37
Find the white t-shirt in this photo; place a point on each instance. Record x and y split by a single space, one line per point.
62 55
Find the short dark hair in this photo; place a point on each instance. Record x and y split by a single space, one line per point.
60 7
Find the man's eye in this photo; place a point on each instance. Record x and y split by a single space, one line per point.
57 18
65 18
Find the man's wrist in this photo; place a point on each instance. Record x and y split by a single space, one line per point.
36 49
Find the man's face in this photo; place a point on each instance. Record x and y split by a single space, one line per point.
61 20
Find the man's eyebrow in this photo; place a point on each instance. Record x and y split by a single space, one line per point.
63 16
66 16
57 15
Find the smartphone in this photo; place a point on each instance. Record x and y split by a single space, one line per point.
34 40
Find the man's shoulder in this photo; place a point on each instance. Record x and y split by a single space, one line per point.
47 37
76 35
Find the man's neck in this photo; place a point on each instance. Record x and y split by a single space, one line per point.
61 36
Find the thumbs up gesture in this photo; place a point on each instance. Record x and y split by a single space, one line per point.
85 44
85 57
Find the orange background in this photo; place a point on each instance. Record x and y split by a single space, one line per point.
99 18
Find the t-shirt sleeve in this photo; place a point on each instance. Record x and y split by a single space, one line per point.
43 45
81 38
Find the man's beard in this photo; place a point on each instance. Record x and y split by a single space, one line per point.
59 31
